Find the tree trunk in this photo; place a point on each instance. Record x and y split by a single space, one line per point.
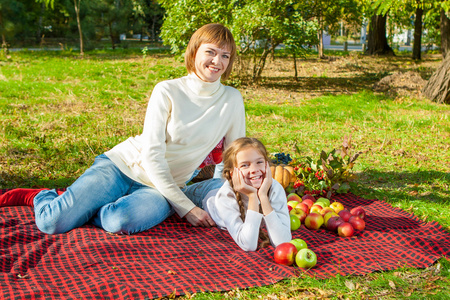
438 86
417 47
259 67
295 68
377 41
320 37
445 34
4 44
111 36
77 4
39 37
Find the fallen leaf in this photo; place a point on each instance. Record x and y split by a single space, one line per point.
170 272
391 284
350 285
425 194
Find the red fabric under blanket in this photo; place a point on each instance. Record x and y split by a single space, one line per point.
176 258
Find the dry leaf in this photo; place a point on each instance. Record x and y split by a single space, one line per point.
22 276
391 284
170 272
350 285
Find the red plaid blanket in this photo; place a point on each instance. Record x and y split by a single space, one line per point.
176 258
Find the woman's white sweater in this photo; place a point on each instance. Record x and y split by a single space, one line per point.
186 118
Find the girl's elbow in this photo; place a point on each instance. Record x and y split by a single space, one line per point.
249 248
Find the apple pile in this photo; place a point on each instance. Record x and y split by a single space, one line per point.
295 251
315 214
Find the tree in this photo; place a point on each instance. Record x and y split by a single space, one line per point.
258 26
183 17
77 5
112 17
377 42
445 30
417 46
9 12
328 14
438 86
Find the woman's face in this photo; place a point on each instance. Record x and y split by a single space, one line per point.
211 62
252 165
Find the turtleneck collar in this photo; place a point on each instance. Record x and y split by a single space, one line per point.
200 87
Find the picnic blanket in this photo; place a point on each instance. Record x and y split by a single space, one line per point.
175 258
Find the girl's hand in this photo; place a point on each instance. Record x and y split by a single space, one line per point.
240 185
267 182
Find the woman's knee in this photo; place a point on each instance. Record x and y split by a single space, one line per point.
133 217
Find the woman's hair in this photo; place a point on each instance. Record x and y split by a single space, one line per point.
230 162
211 34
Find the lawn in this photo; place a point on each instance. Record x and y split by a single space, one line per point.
59 111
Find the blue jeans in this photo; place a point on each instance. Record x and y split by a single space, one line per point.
109 199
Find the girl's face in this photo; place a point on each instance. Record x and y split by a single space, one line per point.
211 62
252 165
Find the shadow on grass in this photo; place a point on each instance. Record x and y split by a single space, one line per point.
393 187
9 181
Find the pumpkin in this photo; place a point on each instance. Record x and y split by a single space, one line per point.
283 174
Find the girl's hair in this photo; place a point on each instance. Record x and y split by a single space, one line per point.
211 34
230 162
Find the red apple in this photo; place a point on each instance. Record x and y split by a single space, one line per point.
357 223
346 230
333 223
303 207
326 210
313 221
316 208
299 213
289 208
285 254
327 216
308 196
358 211
337 206
345 214
294 197
308 202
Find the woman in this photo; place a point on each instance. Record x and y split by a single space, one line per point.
141 181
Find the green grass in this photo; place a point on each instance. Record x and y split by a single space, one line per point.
58 111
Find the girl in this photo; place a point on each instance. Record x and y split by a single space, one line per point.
141 181
249 196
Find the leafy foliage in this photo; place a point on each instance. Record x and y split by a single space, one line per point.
330 173
258 26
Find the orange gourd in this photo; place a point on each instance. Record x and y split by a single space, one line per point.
283 174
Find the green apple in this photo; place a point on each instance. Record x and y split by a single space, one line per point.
323 200
299 244
292 203
306 258
295 222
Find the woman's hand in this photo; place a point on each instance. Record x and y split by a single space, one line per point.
267 182
199 217
240 185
